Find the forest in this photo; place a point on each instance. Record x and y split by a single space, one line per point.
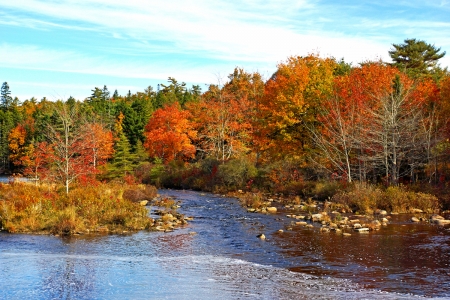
317 126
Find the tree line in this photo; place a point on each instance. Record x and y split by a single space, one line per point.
313 118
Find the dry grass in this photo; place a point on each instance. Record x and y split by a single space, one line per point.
365 198
30 208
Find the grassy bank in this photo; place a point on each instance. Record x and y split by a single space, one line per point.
114 207
355 198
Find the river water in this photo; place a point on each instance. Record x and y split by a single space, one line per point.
218 256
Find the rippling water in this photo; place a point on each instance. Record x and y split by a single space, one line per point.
225 260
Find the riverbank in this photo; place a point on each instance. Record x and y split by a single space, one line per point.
99 208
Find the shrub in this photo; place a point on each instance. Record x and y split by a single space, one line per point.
67 222
236 173
253 200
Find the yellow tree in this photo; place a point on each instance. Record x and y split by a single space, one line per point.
291 100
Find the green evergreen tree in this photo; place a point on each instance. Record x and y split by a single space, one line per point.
123 161
5 97
417 58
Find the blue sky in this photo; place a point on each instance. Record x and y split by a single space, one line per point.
62 48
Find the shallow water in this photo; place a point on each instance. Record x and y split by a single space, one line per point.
225 260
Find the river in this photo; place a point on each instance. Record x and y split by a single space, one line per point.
218 256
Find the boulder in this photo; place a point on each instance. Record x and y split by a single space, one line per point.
271 209
261 236
415 220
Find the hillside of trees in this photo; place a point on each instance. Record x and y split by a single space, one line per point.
316 119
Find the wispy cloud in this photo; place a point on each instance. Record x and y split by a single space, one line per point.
195 40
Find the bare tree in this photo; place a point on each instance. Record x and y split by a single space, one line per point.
67 140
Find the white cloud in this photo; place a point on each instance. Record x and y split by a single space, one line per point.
253 34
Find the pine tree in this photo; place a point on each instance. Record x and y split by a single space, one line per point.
417 58
6 99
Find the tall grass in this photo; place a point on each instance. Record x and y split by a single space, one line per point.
365 198
29 208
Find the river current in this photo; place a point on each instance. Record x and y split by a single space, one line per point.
218 256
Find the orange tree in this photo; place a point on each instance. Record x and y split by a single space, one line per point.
169 134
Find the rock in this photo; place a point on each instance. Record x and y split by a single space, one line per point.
415 220
381 212
357 226
252 210
416 211
436 217
442 222
324 229
316 217
159 228
261 236
346 234
363 229
280 230
300 217
384 220
143 202
271 209
303 223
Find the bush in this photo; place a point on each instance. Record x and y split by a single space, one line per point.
236 173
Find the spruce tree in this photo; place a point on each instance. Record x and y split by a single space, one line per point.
6 99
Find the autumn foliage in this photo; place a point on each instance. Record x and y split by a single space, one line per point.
169 134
